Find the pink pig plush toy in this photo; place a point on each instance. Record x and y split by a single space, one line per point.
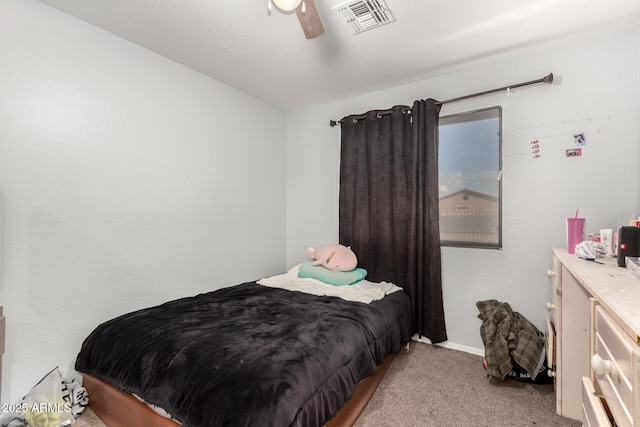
334 257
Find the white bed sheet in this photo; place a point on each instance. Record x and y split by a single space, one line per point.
363 291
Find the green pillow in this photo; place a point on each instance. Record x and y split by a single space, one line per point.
338 278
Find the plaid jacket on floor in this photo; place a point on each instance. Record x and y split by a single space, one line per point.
508 336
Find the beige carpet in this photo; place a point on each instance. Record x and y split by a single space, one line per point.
439 387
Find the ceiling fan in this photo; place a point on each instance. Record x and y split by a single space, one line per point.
307 15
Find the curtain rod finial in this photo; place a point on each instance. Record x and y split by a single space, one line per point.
333 123
548 79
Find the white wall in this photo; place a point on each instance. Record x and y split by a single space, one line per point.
126 180
595 92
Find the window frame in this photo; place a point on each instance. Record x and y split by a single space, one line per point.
472 244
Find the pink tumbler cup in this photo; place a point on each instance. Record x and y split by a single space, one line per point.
575 233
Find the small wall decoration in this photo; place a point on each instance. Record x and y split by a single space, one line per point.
535 148
573 152
579 140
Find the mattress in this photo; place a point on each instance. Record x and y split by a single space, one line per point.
247 354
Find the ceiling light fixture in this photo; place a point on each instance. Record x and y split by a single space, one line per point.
286 5
306 11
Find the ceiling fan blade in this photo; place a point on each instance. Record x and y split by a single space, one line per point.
310 20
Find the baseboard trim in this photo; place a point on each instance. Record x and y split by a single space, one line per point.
452 346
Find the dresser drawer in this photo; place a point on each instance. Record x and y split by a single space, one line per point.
593 413
615 367
554 291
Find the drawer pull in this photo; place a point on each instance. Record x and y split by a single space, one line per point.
550 306
551 273
599 365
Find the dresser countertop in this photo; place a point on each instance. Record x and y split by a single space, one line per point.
614 287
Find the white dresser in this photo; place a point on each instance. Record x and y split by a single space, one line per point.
594 340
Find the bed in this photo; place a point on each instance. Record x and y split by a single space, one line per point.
253 354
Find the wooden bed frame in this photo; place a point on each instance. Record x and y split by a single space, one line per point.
117 409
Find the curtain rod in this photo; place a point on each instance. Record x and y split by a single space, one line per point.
545 79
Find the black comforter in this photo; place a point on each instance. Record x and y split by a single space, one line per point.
247 355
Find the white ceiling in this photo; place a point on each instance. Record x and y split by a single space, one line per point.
266 55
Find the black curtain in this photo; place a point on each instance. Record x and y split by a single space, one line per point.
388 207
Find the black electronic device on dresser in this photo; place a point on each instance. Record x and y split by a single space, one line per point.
628 243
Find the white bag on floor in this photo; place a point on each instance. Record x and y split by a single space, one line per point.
52 402
45 405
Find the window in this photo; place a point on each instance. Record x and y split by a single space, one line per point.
470 179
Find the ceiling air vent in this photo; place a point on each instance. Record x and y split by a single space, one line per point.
363 15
